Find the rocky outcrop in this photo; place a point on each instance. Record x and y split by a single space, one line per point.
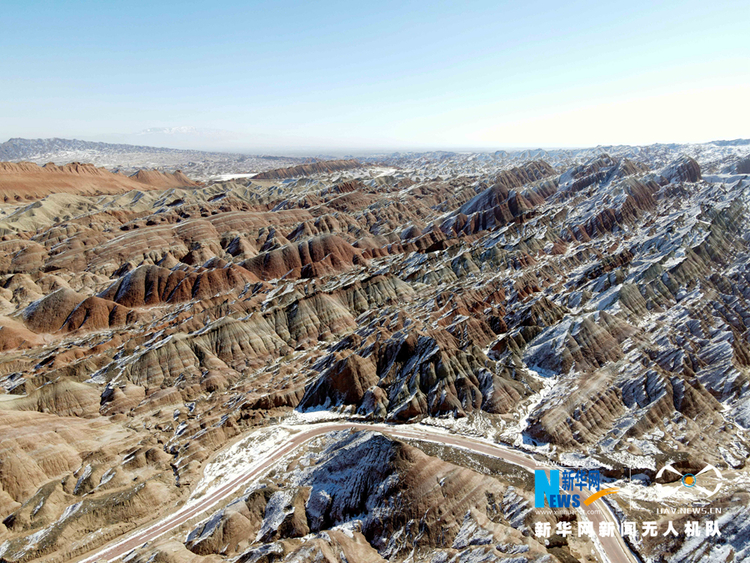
62 397
65 310
159 179
581 345
150 285
94 313
684 169
345 382
413 374
50 313
503 201
743 166
20 256
313 258
15 335
40 447
319 167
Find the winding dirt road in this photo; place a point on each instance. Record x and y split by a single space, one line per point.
614 547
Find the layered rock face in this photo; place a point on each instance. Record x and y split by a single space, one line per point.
595 305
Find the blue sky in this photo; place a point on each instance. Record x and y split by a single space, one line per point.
352 76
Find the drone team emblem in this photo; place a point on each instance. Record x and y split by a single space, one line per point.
706 483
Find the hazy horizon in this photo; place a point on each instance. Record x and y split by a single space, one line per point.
343 79
339 152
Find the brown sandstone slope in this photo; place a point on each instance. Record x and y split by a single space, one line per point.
14 334
27 181
65 309
163 179
40 447
307 169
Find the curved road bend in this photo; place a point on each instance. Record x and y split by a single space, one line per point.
615 549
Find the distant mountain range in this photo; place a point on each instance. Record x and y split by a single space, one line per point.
734 143
131 158
204 165
18 148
